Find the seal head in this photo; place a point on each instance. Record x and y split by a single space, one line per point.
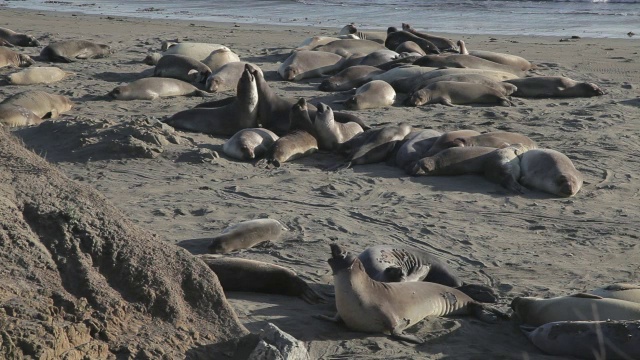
340 259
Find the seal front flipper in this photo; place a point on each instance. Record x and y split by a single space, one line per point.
400 336
335 318
479 293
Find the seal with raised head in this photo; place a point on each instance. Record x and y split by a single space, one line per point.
553 86
446 138
249 144
496 139
38 75
376 36
402 78
240 114
198 51
374 94
550 171
153 88
18 39
309 64
452 93
246 234
247 275
467 62
11 58
227 76
332 134
368 305
415 147
182 68
500 58
219 58
69 50
315 41
443 44
578 307
348 47
349 78
627 292
505 88
42 104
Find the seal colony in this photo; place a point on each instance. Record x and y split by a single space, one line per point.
510 159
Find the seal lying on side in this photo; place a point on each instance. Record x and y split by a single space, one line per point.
42 104
349 78
69 50
500 58
18 39
198 51
316 41
249 144
332 134
13 115
374 94
553 86
245 235
227 76
468 62
504 88
410 47
379 57
443 44
308 64
550 171
448 137
395 38
255 276
389 308
496 139
153 88
219 58
348 47
12 58
415 148
152 58
37 75
592 340
452 93
182 68
627 292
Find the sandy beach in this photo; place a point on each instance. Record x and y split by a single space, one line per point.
520 245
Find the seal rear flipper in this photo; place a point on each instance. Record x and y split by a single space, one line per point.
479 293
335 318
485 313
312 297
400 336
201 93
339 166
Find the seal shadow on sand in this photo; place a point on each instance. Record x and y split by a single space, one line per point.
123 77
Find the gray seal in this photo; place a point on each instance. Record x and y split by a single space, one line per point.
376 36
42 104
249 144
198 51
443 44
452 93
11 58
14 115
246 234
553 86
468 62
219 58
69 50
550 171
496 139
396 37
227 76
627 292
379 57
38 75
18 39
500 58
415 147
309 64
374 94
182 68
503 87
154 88
348 47
332 134
445 139
349 78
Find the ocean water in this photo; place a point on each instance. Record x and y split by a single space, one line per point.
586 18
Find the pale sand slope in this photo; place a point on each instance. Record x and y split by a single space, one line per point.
521 245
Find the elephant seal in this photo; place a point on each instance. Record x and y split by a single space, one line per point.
5 43
227 76
501 166
500 58
397 263
447 138
348 47
402 78
579 307
14 115
309 64
37 75
468 62
505 88
249 144
242 113
18 39
376 36
152 58
428 77
553 86
368 305
497 139
627 292
247 275
42 104
379 57
452 93
409 47
349 78
415 147
374 94
294 145
443 44
550 171
246 234
299 118
182 68
332 134
12 58
592 340
153 88
198 51
69 50
219 58
395 38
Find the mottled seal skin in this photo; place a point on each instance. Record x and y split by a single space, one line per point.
376 36
227 76
368 305
550 171
452 93
592 340
348 47
42 104
332 134
14 115
198 51
466 61
11 58
579 307
443 44
153 88
182 68
245 235
309 64
249 144
447 138
395 38
374 94
553 86
219 58
496 139
500 58
247 275
504 88
37 75
349 78
415 147
69 50
627 292
18 39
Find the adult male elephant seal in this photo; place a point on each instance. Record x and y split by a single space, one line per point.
592 340
415 147
219 58
182 68
452 93
249 144
550 171
247 275
153 88
553 86
348 47
500 58
468 62
332 134
242 113
349 78
395 38
447 138
496 139
41 103
579 307
38 75
505 88
309 64
397 263
627 292
198 51
18 39
443 44
374 94
227 76
246 234
69 50
12 58
368 305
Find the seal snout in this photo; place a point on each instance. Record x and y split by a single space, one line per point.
337 252
568 185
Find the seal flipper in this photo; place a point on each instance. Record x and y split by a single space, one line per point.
485 313
479 293
400 336
311 297
336 318
339 166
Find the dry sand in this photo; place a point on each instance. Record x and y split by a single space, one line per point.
531 244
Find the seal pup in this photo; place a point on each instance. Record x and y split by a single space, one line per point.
247 275
452 93
368 305
468 62
182 68
153 88
443 44
503 87
376 36
227 76
246 234
219 58
42 104
415 147
69 50
496 139
553 86
242 113
550 171
578 307
627 292
198 51
249 144
309 64
593 340
448 137
13 115
396 37
18 39
332 134
348 47
374 94
38 75
500 58
349 78
402 78
12 58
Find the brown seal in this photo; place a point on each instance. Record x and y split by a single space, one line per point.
12 58
182 68
452 93
410 47
247 275
627 292
443 44
550 171
500 58
415 147
37 75
153 88
553 86
331 134
379 57
376 36
13 115
309 64
246 234
349 78
348 47
219 58
249 144
17 39
468 62
42 104
374 94
503 87
396 37
67 51
227 76
496 139
448 137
